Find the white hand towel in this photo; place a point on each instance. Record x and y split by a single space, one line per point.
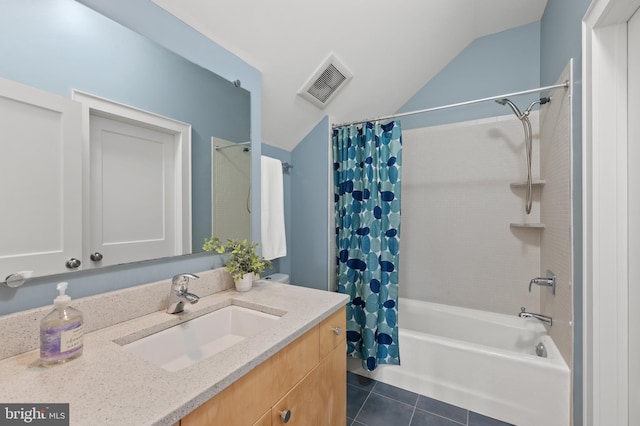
274 243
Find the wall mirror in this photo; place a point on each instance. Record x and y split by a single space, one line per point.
58 47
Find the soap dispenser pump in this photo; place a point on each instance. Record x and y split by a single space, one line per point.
61 331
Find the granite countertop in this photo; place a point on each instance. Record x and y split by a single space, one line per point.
108 385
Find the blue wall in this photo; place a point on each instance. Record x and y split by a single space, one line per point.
561 39
282 264
309 221
81 25
505 62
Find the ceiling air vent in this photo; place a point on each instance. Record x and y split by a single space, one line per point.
326 82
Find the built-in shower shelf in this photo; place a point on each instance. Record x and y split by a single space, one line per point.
534 182
528 225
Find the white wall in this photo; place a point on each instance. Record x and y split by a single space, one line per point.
634 212
457 246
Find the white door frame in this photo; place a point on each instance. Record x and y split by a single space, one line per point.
605 214
182 132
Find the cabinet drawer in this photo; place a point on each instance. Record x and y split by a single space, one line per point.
332 331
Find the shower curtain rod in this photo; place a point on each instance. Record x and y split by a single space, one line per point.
235 145
475 101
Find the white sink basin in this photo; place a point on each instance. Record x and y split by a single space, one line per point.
192 341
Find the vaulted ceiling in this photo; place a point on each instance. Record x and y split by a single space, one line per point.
392 48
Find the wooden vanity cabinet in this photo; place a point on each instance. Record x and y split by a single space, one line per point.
265 420
304 382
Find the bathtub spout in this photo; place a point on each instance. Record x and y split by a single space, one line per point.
548 281
544 318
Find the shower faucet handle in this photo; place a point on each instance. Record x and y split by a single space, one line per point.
548 281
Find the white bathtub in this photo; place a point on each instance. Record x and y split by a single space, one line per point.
480 361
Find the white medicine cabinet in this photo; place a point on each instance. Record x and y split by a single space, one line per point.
90 183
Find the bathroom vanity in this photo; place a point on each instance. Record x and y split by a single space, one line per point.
302 384
294 369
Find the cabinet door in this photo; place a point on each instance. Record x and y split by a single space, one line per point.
301 406
333 388
133 191
240 404
41 193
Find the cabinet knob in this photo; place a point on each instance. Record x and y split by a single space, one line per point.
285 415
72 263
337 330
96 257
17 279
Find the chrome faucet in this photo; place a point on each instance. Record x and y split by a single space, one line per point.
179 293
545 319
548 281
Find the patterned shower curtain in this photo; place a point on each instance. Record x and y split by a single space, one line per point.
367 171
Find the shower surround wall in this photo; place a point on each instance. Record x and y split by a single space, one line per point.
556 250
458 247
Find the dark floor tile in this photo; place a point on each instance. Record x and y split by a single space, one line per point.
476 419
396 393
382 411
355 399
423 418
360 381
357 424
442 409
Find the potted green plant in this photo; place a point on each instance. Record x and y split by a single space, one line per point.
242 261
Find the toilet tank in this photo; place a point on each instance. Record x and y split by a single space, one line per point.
278 278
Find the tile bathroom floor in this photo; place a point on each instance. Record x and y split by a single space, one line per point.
373 403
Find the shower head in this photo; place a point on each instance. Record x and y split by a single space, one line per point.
516 111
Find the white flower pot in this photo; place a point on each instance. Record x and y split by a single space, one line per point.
245 283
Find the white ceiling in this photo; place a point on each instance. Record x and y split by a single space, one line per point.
392 48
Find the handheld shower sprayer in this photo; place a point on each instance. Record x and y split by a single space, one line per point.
514 108
528 135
